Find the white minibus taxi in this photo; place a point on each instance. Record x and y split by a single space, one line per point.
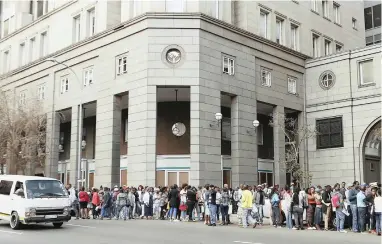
32 200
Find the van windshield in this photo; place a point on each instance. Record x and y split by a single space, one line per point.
45 189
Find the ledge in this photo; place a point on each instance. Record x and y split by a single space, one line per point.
315 12
338 24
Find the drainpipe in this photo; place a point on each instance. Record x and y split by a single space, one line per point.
352 114
306 158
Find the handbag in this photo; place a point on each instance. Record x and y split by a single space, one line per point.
183 207
230 209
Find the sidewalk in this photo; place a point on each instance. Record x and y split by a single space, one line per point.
235 220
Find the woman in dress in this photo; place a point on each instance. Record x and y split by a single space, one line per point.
84 200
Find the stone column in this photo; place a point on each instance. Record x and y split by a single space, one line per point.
52 143
279 145
141 168
205 139
74 146
243 141
108 130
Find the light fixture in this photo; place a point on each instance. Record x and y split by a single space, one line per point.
60 148
83 144
218 118
255 124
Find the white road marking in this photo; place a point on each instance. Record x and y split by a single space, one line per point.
11 232
83 226
246 242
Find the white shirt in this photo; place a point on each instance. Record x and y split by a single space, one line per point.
378 204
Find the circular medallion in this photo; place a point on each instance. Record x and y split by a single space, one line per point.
178 129
173 56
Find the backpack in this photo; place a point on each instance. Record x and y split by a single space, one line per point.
335 201
275 199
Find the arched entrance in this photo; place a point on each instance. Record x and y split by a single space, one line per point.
372 154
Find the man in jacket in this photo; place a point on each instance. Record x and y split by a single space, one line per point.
259 200
246 205
230 194
327 207
352 200
212 206
362 208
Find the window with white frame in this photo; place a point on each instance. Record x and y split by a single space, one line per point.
6 27
366 72
328 46
88 76
314 5
292 85
40 8
316 48
325 8
354 23
279 31
228 65
41 92
77 28
294 36
64 84
122 64
336 13
32 49
174 5
263 23
339 48
266 77
6 61
22 55
44 44
22 98
91 20
260 134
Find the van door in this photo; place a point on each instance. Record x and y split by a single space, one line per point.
5 199
17 200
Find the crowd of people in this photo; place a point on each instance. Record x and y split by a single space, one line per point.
356 206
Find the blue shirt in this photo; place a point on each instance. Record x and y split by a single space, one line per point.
360 197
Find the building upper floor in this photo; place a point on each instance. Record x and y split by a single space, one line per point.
372 13
33 29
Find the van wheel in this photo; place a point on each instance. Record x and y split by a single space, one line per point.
15 221
58 225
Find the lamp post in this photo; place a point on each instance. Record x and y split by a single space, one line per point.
78 162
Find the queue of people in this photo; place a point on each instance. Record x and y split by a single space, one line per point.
357 206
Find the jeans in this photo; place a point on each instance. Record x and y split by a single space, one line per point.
378 222
289 221
213 209
246 216
172 213
260 209
197 210
105 211
275 215
354 213
340 220
361 218
327 217
190 209
74 206
318 216
217 211
224 211
298 216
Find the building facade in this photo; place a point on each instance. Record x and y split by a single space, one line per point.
372 13
344 103
153 76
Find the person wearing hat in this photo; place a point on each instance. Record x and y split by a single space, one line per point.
361 208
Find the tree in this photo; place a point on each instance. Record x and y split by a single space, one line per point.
22 134
295 136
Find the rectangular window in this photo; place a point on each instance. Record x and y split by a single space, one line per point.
40 8
32 47
279 31
366 72
377 38
294 36
266 77
44 44
77 28
316 51
354 23
226 129
174 6
314 5
328 46
22 98
41 92
64 84
6 27
368 13
88 76
22 59
336 13
338 48
228 65
369 40
292 85
121 65
325 8
6 61
260 134
126 130
91 22
377 15
263 28
329 133
5 187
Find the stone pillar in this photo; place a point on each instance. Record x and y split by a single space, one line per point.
108 130
74 146
205 140
279 145
244 141
141 168
52 143
302 151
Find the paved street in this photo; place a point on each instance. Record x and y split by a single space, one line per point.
145 232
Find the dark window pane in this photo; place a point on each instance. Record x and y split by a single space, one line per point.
324 141
263 178
323 128
336 126
335 140
368 18
329 133
377 15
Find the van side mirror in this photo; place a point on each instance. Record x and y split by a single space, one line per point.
20 194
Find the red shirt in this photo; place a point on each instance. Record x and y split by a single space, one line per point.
83 196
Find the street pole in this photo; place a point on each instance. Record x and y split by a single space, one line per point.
79 145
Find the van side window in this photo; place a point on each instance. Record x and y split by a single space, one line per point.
5 187
19 187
